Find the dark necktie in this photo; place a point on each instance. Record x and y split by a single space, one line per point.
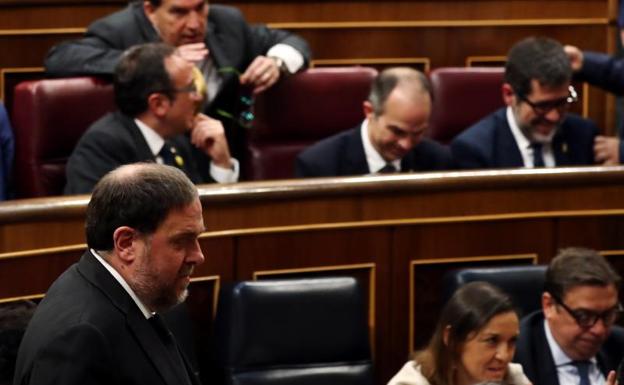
538 157
170 343
170 156
387 169
583 371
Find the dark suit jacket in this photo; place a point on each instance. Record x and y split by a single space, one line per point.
87 330
490 144
7 152
343 155
604 71
115 140
533 352
231 41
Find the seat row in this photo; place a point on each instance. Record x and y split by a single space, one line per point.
50 115
309 330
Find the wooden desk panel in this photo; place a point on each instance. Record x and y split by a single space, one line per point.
396 234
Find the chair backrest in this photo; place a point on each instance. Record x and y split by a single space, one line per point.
296 332
461 97
524 284
49 116
299 111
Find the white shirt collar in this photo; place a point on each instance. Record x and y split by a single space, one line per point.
374 160
524 145
154 141
124 284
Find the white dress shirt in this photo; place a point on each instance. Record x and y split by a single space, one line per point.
524 145
156 142
374 160
124 284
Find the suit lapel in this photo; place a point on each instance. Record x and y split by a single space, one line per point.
154 348
505 145
354 157
145 335
560 148
143 151
219 56
548 374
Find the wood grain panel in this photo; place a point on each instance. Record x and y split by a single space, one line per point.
451 243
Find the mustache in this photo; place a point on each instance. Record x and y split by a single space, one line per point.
186 270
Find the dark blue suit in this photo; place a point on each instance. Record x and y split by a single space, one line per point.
343 155
490 143
604 71
7 151
533 352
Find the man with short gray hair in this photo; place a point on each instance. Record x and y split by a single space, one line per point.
100 322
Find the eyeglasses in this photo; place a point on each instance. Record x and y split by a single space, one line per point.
543 108
191 89
587 318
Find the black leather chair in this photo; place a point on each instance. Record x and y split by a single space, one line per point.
295 332
524 284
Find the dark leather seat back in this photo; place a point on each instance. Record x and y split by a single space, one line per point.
299 111
462 97
524 284
295 332
49 116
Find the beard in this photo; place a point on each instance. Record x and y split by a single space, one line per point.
154 292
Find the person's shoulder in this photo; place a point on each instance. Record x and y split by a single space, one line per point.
124 17
515 375
332 143
574 121
409 374
224 12
485 127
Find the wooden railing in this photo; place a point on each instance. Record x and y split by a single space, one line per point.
397 234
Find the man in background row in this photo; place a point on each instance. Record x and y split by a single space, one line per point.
157 96
535 130
389 140
228 51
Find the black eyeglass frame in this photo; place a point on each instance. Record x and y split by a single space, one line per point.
587 318
543 108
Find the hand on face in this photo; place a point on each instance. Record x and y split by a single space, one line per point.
208 135
194 52
607 150
262 73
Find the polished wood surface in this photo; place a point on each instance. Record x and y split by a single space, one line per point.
440 33
396 234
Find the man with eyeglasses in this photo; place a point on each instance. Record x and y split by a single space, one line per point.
216 38
573 340
535 129
156 91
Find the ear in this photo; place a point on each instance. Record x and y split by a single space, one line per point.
446 334
158 104
369 111
149 10
509 96
124 243
547 304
